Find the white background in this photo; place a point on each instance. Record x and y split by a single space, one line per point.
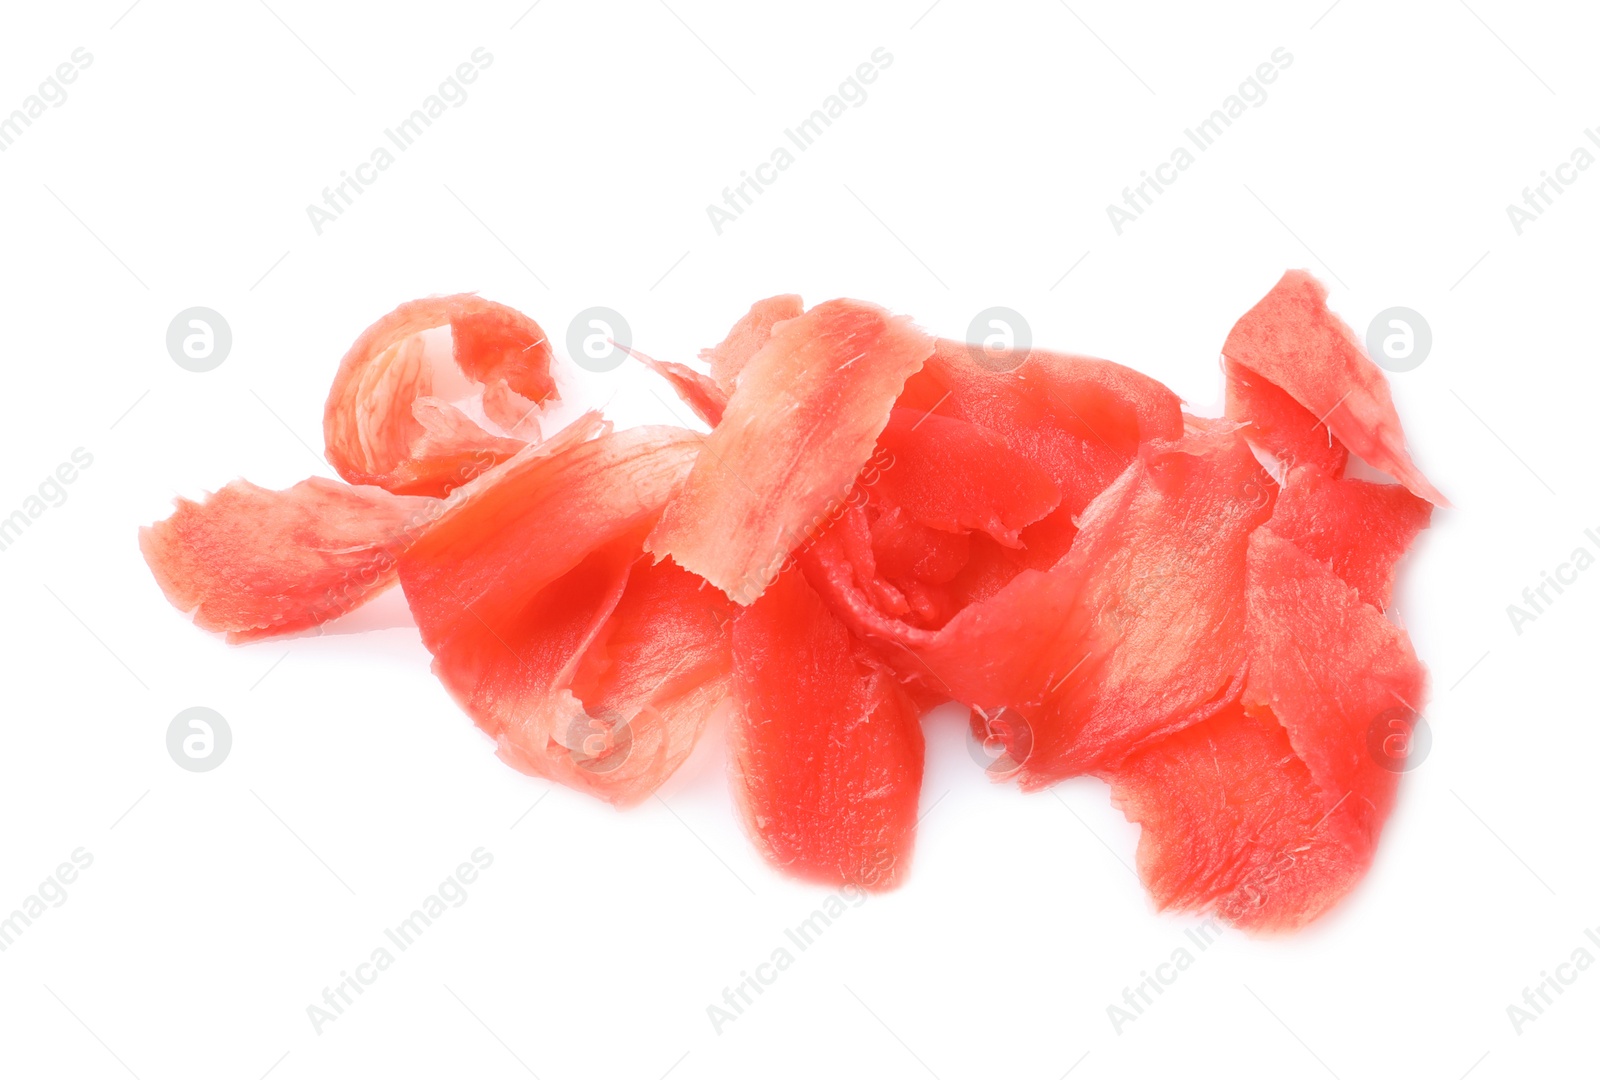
977 173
